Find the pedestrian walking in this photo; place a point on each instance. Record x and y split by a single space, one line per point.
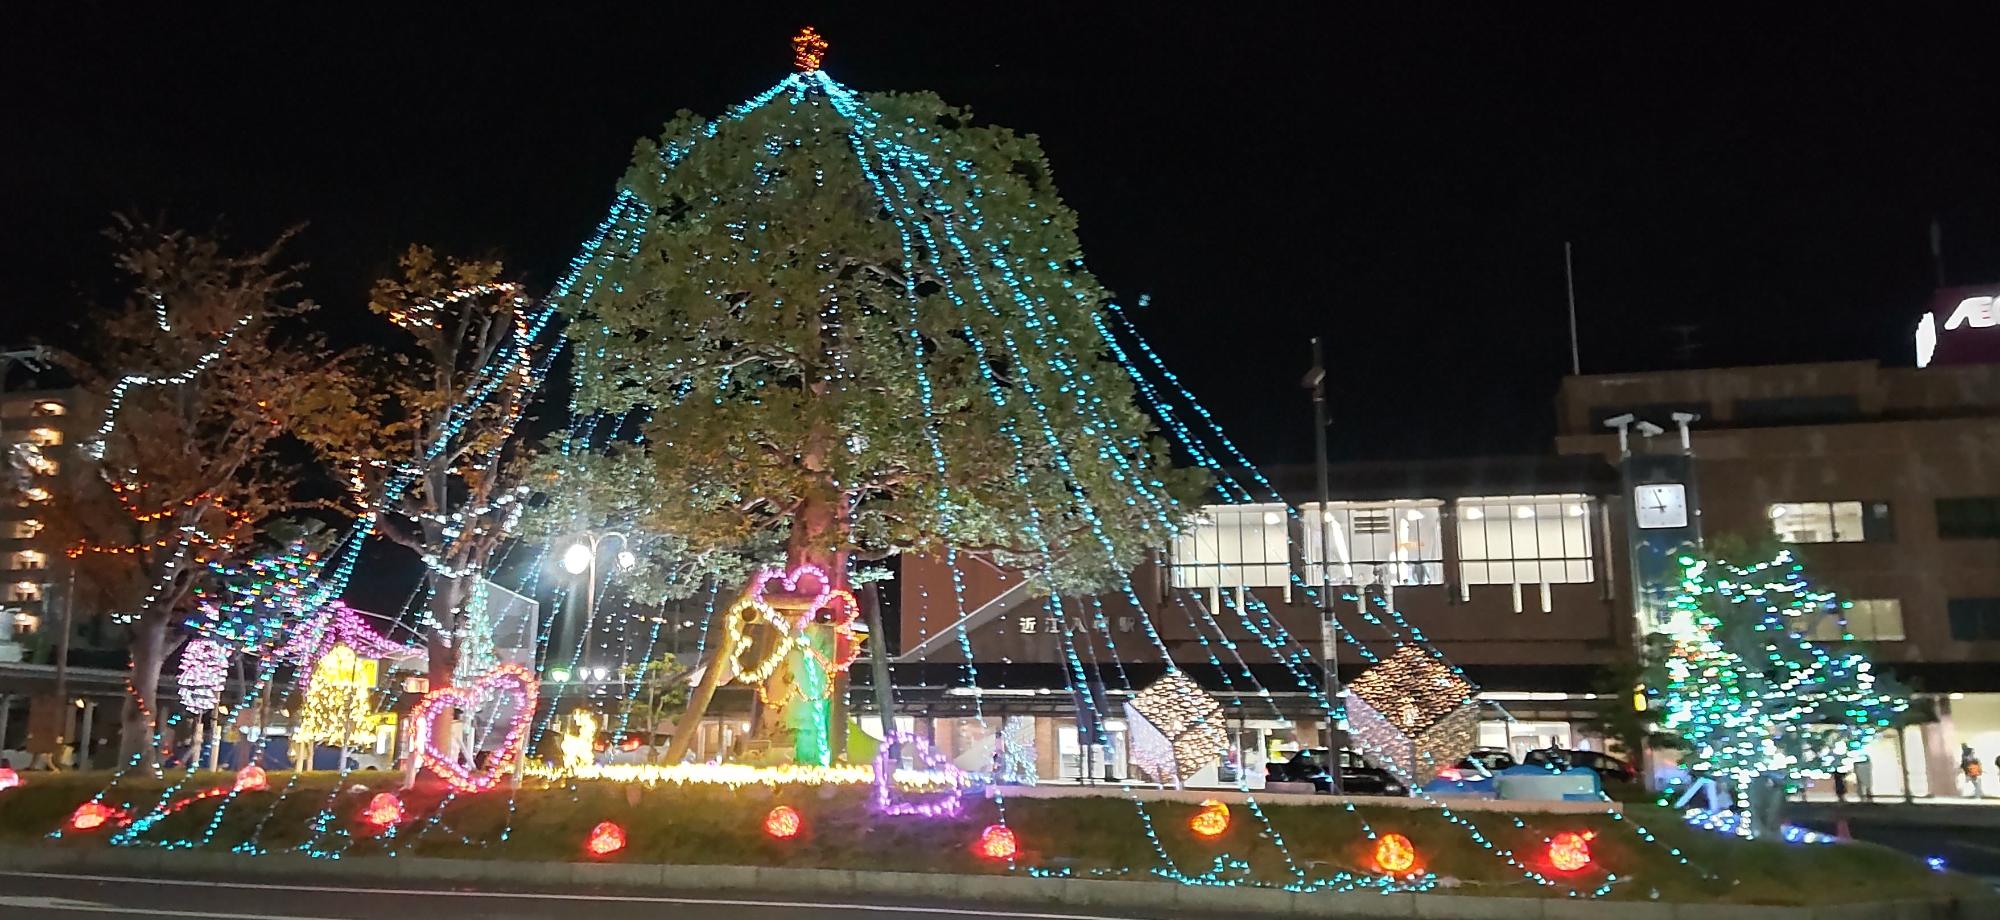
1840 786
1968 764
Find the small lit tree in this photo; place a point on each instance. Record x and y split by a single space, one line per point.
1758 705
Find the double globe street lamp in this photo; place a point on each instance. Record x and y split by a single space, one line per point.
580 559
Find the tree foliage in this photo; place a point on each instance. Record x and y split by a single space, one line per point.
819 363
1756 703
444 470
198 378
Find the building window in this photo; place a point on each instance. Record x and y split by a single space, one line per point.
1525 539
1969 518
25 624
1831 522
24 591
27 560
1377 543
44 437
24 529
49 409
1230 546
1974 619
1874 620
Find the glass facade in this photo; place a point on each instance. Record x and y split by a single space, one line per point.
1525 539
1377 543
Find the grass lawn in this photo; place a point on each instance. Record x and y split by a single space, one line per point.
1085 837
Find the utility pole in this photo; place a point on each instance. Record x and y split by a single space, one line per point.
1329 643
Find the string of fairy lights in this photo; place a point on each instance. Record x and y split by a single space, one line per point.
909 182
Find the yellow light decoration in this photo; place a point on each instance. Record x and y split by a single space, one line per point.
1427 702
808 50
1188 718
579 740
337 708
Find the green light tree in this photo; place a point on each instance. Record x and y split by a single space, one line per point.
863 322
1758 706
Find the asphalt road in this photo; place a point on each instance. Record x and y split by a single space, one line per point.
55 896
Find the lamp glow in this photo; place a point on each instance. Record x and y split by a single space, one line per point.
576 559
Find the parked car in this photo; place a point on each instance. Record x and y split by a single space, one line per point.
1357 776
1607 767
1472 775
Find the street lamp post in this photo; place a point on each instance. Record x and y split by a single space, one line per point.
1329 643
580 558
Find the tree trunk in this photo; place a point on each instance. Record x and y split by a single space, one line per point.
139 719
442 643
1767 807
698 699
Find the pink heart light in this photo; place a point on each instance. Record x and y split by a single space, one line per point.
507 678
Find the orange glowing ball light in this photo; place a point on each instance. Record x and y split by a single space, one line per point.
252 779
996 842
1394 854
1211 820
1570 851
783 822
93 815
8 778
384 810
605 839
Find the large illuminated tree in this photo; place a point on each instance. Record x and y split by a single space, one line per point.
192 382
864 322
1758 706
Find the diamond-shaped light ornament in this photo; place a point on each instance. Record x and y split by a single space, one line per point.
1413 713
1186 719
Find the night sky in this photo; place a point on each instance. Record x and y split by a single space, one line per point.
1403 186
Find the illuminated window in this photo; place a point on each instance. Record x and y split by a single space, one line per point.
36 494
1374 543
1830 522
50 409
24 591
24 529
1874 620
1229 546
45 437
1525 539
27 560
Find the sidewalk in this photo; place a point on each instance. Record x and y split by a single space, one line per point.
1817 797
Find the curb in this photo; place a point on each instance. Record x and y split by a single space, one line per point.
1169 898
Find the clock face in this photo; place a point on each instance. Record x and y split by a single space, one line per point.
1660 504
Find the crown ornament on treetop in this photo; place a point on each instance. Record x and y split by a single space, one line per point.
808 49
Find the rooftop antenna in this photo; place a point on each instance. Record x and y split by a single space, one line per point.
1569 283
1937 249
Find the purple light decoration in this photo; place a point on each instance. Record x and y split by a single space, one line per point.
338 624
887 799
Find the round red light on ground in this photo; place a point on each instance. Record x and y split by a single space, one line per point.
1211 820
1395 854
8 778
1570 851
996 842
783 822
384 810
252 779
92 815
606 838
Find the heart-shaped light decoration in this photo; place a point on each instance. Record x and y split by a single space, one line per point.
945 781
508 678
836 606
